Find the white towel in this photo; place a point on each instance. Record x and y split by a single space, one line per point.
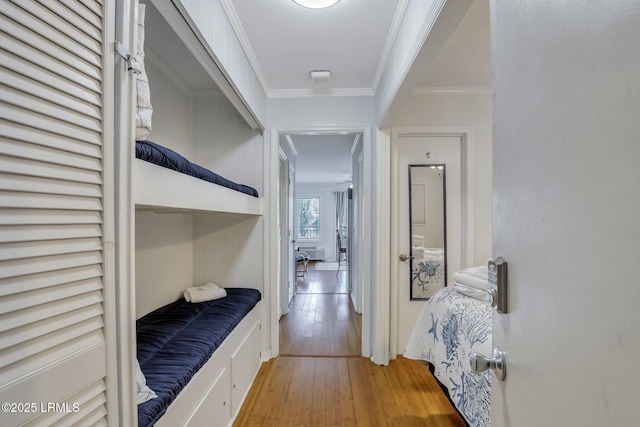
475 277
198 289
418 252
417 240
472 292
201 295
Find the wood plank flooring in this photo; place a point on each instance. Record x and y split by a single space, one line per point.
322 281
321 319
321 380
343 391
321 325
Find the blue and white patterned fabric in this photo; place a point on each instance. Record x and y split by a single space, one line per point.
427 275
449 328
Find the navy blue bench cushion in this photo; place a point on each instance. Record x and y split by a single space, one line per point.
176 340
163 156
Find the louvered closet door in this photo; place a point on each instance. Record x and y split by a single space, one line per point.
52 339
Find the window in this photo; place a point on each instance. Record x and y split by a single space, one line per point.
309 218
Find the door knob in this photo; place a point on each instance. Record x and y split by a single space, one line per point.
480 363
404 257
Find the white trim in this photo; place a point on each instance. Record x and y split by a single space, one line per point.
270 254
236 24
271 285
410 57
109 212
382 308
125 322
453 91
291 144
308 93
282 154
388 45
467 249
354 146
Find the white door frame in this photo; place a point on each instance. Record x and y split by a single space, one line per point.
465 133
272 159
285 241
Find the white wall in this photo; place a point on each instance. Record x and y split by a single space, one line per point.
218 32
460 108
175 251
225 144
172 121
164 259
455 108
320 111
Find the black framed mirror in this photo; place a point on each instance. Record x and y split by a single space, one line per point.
428 229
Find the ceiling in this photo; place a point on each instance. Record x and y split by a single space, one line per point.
323 159
284 42
288 41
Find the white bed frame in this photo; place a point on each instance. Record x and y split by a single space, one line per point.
161 189
215 394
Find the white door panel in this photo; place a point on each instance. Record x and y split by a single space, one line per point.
567 211
408 150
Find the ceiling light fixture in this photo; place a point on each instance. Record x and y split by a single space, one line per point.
316 4
320 76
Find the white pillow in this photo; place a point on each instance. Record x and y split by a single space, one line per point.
144 392
144 110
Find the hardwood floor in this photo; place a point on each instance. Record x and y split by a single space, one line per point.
322 281
327 391
320 378
321 322
321 325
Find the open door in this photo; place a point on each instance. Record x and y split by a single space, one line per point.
566 211
423 147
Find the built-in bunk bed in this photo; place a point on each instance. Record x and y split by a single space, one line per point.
195 185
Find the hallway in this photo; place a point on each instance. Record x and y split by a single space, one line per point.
321 319
320 378
345 391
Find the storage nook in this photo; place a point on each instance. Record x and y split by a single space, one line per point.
202 224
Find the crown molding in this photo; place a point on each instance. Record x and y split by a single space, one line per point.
234 19
391 38
309 93
459 90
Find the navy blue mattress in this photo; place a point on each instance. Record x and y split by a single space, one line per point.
176 340
162 156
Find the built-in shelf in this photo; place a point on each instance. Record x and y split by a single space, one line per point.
163 190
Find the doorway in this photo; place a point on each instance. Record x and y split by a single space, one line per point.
451 147
321 318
